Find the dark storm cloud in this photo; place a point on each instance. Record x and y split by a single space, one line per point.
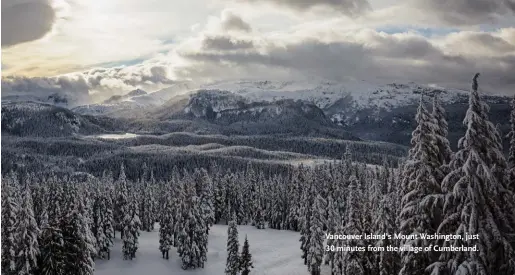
377 55
225 43
347 7
465 12
24 21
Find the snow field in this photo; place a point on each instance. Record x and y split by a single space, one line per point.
274 252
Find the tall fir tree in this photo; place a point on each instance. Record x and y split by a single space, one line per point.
333 222
205 193
193 237
9 219
315 252
232 266
166 230
131 227
305 219
52 250
78 246
26 236
121 200
246 258
441 131
421 201
511 154
147 208
354 262
476 201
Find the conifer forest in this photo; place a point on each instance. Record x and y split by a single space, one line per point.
81 206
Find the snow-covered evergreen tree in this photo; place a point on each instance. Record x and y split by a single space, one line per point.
26 236
121 200
294 201
337 259
131 227
193 237
259 219
316 244
220 184
333 222
166 230
246 258
232 266
354 261
421 206
9 218
78 246
52 251
511 154
440 131
148 205
305 219
102 223
205 193
476 201
385 224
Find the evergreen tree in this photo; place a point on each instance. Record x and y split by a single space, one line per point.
53 255
476 201
121 201
337 259
232 266
102 224
259 219
385 224
78 246
147 208
421 208
354 261
333 222
166 236
294 201
246 258
193 236
131 226
306 210
206 195
26 236
440 131
220 184
9 220
316 244
511 154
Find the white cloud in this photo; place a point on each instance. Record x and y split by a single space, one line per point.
180 42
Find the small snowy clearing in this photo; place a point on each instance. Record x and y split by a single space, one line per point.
274 252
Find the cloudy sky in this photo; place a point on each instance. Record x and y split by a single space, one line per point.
113 46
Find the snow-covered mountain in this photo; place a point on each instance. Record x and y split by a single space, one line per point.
338 100
371 111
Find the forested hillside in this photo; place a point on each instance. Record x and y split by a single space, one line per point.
67 202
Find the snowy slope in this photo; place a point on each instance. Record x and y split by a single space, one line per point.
274 252
326 93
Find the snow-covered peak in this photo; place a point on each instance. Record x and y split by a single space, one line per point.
325 93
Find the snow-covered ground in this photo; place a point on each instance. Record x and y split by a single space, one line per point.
274 252
117 136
